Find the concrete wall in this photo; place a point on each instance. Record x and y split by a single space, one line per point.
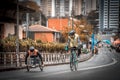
20 32
9 29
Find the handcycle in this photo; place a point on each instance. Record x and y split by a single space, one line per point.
34 62
73 59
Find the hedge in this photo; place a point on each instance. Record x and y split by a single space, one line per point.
9 45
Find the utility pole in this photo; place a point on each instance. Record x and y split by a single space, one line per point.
119 22
27 23
40 14
40 17
17 36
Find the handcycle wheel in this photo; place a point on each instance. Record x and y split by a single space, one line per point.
28 68
41 67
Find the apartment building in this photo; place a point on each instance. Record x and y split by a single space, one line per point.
60 8
109 15
88 5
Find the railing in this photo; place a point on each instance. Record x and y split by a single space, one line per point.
10 58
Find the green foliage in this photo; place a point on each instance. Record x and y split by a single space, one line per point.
9 45
38 41
85 51
79 27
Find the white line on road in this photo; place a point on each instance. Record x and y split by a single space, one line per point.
112 63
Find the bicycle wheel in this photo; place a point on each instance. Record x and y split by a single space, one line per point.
71 62
75 61
76 65
71 66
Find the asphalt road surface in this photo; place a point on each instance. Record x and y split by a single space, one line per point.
103 66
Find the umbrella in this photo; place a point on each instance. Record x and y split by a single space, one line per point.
107 41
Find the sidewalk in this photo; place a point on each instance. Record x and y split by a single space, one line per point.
7 67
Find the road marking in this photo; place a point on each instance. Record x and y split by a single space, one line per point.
112 63
14 79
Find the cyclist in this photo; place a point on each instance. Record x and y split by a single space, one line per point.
74 41
33 53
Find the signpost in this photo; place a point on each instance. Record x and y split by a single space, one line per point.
92 42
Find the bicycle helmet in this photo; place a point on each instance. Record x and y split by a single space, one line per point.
32 48
72 32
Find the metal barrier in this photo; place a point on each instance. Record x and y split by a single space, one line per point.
10 58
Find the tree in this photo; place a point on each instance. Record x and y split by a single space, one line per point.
79 27
31 4
79 16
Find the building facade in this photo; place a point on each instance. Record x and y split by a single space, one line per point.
109 15
77 7
38 32
60 8
8 18
88 5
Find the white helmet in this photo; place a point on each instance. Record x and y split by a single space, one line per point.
32 48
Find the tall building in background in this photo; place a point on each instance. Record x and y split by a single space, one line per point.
77 7
109 15
88 5
46 7
60 8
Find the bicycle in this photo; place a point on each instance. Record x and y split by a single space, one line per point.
73 59
33 63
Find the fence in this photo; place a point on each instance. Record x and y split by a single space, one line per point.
9 59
